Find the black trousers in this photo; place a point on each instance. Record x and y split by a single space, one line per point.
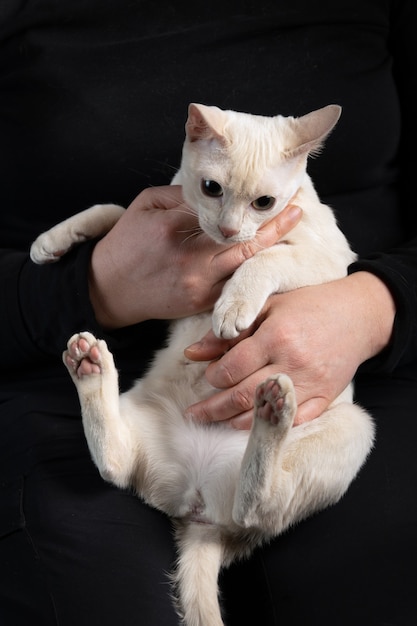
75 551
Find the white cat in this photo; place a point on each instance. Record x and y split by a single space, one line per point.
227 491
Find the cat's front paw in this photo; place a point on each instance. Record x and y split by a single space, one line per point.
232 316
47 249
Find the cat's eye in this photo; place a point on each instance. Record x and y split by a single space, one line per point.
263 203
211 188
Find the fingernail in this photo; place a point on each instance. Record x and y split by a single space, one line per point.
294 212
194 347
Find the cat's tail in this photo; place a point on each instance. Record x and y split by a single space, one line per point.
200 550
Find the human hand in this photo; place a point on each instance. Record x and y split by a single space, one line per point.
317 335
155 263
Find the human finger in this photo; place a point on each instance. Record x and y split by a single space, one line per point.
306 412
220 407
310 409
161 197
277 228
211 347
243 421
231 402
244 358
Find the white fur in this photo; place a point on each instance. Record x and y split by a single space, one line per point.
54 243
230 490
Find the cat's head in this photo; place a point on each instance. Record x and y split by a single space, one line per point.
239 170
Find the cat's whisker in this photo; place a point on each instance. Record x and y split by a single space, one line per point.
157 165
187 211
164 192
195 233
183 208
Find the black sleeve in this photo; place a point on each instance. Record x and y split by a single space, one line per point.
398 267
41 306
398 270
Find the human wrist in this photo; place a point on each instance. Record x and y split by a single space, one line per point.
101 283
376 306
102 315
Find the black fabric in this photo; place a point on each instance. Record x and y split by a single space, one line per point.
93 101
86 553
352 564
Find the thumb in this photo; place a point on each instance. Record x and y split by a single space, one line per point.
310 409
279 226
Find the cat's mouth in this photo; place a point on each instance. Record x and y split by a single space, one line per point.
223 235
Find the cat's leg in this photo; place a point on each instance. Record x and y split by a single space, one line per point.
110 440
275 409
280 268
242 298
51 245
290 472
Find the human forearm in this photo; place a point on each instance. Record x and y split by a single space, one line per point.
375 307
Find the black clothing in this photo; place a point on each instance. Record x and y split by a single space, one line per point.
94 95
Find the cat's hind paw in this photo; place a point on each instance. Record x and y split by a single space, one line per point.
88 359
275 402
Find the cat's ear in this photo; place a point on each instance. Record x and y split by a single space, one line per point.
204 122
312 129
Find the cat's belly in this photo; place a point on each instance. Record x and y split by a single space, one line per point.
201 470
192 469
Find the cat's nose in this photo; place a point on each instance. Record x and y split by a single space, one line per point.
228 232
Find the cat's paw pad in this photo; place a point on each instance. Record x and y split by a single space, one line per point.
230 318
275 401
86 358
